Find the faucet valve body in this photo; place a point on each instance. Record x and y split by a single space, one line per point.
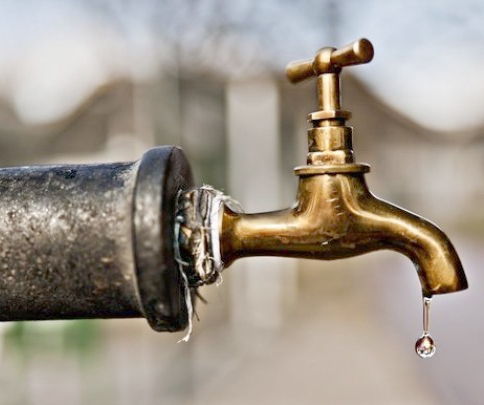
335 215
330 140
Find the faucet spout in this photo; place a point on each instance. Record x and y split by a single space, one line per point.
386 226
336 216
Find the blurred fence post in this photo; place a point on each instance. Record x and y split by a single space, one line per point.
261 288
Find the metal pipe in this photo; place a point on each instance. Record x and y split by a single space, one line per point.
93 241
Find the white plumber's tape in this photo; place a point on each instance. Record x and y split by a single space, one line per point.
197 239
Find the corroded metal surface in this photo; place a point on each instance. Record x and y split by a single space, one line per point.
92 241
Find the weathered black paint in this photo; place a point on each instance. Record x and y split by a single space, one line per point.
93 241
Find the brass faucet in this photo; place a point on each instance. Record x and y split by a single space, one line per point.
335 214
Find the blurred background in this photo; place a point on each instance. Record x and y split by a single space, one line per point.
96 81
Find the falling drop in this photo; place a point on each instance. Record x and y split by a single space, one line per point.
425 346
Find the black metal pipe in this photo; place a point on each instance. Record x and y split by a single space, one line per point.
93 241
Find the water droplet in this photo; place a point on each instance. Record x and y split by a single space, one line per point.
425 346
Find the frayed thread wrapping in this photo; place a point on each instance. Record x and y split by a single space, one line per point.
199 212
197 239
188 294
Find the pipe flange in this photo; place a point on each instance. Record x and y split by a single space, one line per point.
163 173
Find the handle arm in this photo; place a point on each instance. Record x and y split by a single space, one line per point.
330 60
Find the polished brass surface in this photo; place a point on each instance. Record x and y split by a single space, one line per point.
335 215
331 60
